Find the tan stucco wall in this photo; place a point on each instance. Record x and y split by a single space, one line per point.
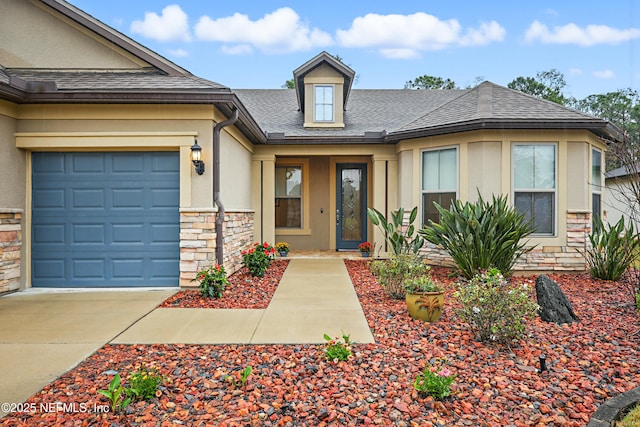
485 163
46 43
12 162
323 75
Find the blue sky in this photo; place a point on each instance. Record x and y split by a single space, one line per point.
257 44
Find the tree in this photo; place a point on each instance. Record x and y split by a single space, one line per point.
546 85
289 84
430 82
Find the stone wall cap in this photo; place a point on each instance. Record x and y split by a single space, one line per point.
11 210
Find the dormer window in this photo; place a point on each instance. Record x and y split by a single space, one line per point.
323 103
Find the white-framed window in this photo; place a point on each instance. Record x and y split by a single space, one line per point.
288 203
439 181
323 103
596 186
535 184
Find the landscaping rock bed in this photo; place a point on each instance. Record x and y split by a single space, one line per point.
588 363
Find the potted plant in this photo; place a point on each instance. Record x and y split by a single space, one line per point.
425 298
282 248
365 248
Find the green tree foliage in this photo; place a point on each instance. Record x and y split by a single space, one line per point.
546 85
430 82
289 84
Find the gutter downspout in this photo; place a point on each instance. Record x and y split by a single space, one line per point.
216 185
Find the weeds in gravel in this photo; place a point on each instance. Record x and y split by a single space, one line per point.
336 350
117 394
144 382
244 376
435 380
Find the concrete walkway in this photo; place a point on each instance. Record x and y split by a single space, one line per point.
314 297
45 333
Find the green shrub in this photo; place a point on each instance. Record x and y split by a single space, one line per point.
434 381
144 382
613 250
631 419
480 235
401 239
392 273
495 310
213 281
258 258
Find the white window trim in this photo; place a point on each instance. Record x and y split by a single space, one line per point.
333 105
422 191
554 234
595 188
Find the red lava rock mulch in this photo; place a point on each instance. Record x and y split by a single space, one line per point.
244 291
589 362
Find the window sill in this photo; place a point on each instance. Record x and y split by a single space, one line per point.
293 231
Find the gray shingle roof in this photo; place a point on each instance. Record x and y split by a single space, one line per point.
112 81
369 110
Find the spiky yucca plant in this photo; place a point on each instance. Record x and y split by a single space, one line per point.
481 235
613 250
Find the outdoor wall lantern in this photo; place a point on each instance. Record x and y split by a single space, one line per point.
196 158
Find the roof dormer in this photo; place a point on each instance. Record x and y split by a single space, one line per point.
323 85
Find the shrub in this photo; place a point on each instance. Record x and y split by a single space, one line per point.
613 250
434 381
400 238
480 235
144 382
213 281
494 309
395 271
417 285
257 258
336 350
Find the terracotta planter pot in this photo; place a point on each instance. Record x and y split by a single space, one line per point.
426 306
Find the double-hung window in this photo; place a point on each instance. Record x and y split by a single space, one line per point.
323 104
439 181
288 196
596 186
535 184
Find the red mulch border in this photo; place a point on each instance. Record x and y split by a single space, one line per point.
589 362
244 291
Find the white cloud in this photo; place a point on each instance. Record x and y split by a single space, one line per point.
172 25
281 31
408 35
575 72
572 34
239 49
604 74
179 53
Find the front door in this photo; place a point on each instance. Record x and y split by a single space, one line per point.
351 203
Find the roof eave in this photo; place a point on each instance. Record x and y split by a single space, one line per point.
599 127
279 138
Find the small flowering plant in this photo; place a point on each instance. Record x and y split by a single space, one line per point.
282 247
337 350
365 247
435 380
213 281
258 258
144 382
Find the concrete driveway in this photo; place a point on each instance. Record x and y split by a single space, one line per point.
43 334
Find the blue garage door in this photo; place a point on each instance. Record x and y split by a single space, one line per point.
105 219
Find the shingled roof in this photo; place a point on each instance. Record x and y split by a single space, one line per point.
392 115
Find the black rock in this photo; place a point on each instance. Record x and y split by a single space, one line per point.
554 304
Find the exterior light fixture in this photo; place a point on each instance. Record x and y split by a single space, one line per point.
196 158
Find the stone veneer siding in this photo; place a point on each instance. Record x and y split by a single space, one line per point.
198 241
542 258
10 249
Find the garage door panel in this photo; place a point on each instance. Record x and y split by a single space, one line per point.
105 219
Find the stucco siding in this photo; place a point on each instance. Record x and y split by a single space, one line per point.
52 39
235 173
484 172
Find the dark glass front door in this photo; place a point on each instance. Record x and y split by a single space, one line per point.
351 203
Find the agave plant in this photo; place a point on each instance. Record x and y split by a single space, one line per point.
481 235
613 250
